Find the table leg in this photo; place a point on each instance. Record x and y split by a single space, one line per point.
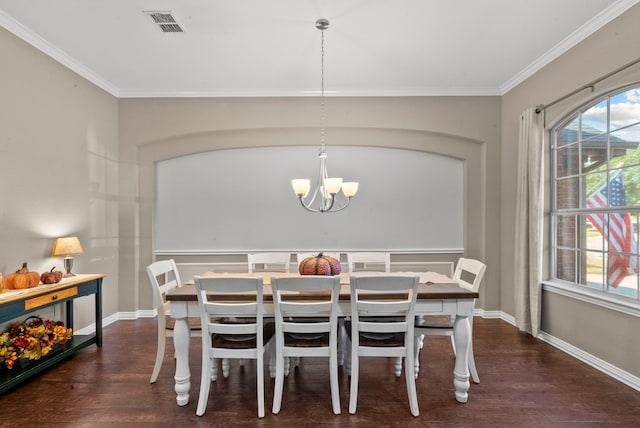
98 311
462 339
181 338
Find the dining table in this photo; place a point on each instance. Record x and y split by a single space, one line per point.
437 295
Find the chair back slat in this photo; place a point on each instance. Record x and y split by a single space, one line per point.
305 308
306 327
231 309
469 273
384 307
271 262
164 277
383 327
305 283
248 290
381 282
231 329
370 261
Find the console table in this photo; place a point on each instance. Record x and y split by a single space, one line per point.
16 304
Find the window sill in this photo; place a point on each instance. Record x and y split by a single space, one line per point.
613 303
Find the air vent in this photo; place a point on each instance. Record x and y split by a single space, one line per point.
165 21
170 28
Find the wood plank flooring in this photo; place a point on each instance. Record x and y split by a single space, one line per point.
524 383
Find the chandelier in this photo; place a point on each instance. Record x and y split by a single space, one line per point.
326 196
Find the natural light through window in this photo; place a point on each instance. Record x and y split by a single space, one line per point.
596 195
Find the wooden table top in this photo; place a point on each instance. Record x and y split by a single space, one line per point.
11 295
426 291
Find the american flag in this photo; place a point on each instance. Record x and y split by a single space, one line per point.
616 228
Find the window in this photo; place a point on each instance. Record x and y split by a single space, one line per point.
596 195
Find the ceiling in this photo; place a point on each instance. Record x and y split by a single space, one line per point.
272 48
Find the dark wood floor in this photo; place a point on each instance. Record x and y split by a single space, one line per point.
524 383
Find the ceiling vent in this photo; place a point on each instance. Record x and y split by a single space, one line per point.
165 21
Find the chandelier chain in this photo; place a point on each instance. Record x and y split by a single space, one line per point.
322 88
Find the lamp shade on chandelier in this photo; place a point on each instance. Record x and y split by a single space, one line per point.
330 194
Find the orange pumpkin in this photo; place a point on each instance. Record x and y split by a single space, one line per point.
22 278
320 265
51 277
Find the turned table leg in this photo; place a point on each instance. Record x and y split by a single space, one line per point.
181 338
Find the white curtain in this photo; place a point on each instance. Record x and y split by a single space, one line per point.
529 222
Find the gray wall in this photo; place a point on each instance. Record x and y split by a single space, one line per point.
466 128
58 169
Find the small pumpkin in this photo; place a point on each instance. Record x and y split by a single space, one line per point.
320 265
51 277
22 278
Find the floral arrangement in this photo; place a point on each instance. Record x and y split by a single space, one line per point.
31 340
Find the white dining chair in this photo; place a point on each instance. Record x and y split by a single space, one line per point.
164 277
375 261
269 262
232 318
306 328
468 274
381 325
266 262
369 261
341 333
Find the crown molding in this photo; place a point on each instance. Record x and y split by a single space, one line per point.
593 25
452 92
60 56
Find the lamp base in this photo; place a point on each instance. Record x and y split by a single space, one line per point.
68 264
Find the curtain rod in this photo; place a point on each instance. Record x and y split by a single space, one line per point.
590 85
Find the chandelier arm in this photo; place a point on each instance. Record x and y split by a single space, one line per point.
308 208
343 206
323 210
313 197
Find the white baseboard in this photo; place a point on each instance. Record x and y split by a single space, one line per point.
595 362
91 328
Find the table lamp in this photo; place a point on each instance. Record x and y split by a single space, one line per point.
67 247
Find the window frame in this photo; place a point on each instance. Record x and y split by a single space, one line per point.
578 288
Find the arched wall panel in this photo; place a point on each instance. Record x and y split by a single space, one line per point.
240 200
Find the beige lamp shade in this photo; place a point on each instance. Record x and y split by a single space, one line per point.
301 186
332 185
69 246
350 189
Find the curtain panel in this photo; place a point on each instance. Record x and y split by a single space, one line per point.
529 222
